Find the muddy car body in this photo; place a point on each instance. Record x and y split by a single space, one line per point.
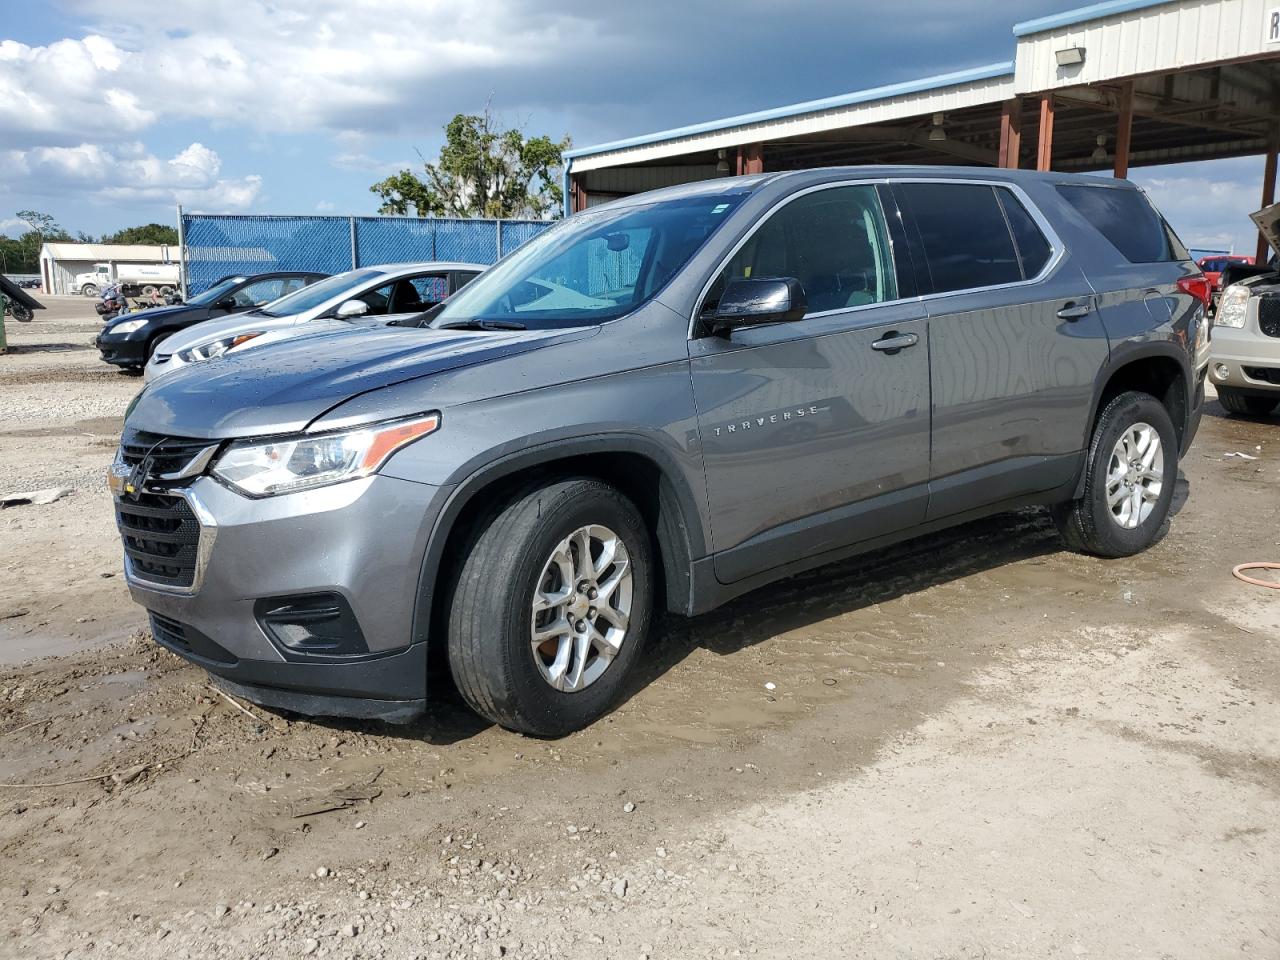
745 379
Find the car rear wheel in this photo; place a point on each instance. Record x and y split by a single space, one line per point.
551 607
1129 480
1245 404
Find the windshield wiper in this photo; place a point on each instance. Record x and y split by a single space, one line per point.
482 325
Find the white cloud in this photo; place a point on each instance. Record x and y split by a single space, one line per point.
324 206
271 65
1208 203
128 173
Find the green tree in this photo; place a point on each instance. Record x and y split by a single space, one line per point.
42 224
155 234
483 171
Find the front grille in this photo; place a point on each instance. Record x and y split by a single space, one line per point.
161 538
168 454
1264 374
188 642
1269 314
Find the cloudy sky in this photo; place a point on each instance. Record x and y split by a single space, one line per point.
111 111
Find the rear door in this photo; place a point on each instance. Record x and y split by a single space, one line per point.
1016 343
815 433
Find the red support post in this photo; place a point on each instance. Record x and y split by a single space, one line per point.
1124 131
1044 153
577 195
1010 133
753 158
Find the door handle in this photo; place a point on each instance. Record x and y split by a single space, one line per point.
892 342
1074 310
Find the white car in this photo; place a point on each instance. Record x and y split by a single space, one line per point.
396 289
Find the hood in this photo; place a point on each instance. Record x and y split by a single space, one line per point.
155 313
216 329
283 387
1268 221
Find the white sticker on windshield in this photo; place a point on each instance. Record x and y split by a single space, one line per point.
720 208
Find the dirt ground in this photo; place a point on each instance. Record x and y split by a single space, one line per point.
975 746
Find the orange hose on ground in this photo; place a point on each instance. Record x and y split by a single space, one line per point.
1236 572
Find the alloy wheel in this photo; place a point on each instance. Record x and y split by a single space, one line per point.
581 608
1135 475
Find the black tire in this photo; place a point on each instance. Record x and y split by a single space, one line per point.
1246 405
491 655
1087 524
21 312
89 290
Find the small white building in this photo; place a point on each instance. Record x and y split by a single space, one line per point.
60 262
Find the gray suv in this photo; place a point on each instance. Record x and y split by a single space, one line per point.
660 403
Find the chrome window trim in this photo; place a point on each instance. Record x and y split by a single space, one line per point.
1058 249
204 546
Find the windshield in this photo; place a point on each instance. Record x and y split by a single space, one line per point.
308 298
594 267
217 290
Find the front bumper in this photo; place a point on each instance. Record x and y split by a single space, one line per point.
1233 349
121 351
362 541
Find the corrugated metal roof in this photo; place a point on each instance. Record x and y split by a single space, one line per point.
1095 11
871 94
138 252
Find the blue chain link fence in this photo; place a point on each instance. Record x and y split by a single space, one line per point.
214 245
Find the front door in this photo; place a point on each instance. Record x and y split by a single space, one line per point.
815 433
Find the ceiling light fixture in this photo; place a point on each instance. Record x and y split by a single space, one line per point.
722 162
1100 151
939 132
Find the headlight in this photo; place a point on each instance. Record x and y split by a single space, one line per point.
1233 306
264 468
127 326
215 348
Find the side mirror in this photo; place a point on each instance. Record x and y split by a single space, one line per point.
226 303
748 302
351 308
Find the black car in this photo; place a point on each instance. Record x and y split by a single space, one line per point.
128 340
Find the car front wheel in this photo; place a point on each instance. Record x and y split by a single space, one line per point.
551 607
1129 480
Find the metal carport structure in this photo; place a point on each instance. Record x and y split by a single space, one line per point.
1115 85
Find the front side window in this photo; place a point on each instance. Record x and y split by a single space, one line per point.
834 241
967 241
313 296
596 266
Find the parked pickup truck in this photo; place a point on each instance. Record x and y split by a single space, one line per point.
661 402
136 278
1245 367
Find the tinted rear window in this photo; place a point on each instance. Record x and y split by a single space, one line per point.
966 240
1126 218
1033 247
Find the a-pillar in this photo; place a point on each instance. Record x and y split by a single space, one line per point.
1044 153
1124 130
1269 187
1010 133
